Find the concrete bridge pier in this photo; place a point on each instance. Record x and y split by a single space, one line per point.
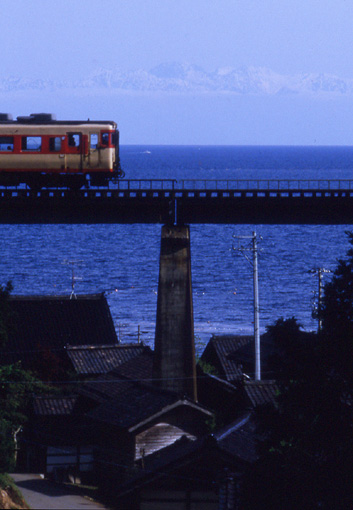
174 357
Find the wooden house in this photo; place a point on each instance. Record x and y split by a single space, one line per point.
131 419
203 474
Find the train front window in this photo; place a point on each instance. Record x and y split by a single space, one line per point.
55 144
105 139
31 143
6 143
115 138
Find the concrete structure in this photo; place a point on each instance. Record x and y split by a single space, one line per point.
174 365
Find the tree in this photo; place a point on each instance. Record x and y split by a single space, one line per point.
16 390
306 460
5 312
337 320
291 348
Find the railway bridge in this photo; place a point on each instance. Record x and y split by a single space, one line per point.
185 202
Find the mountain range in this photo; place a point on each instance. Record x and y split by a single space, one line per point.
187 78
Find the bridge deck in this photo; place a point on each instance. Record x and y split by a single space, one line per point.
187 201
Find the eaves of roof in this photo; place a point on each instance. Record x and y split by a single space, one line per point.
169 408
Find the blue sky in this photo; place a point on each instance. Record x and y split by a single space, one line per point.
70 40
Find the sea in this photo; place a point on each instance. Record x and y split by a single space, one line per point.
123 260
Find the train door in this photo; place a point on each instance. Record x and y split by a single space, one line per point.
93 154
74 151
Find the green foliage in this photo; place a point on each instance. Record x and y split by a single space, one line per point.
337 318
7 447
306 460
292 350
5 313
7 483
207 368
16 389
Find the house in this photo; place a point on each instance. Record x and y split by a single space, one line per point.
233 356
41 326
220 353
45 444
202 474
130 419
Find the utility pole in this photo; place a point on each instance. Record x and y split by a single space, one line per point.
254 263
320 272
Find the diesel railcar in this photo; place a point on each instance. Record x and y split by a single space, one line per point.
40 151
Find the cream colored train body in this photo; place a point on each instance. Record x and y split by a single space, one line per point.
42 152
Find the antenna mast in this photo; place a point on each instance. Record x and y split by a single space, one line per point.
74 278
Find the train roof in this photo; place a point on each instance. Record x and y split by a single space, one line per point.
48 119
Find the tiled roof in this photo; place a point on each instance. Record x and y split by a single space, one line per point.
123 402
51 322
261 392
233 447
127 402
138 368
225 348
100 359
54 406
239 438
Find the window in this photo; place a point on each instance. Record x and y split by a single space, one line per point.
105 138
74 139
115 138
31 143
6 143
94 141
55 144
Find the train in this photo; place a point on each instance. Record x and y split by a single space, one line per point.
42 152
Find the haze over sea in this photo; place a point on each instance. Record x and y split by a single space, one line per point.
38 258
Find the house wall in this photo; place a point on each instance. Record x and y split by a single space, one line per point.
178 500
157 437
114 457
78 457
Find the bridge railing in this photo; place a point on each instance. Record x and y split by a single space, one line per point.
234 184
221 184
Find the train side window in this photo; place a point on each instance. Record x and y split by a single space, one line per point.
31 143
105 139
94 141
74 139
6 143
55 144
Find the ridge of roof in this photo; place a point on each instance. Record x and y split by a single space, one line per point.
233 427
90 347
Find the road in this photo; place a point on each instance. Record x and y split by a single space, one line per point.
45 495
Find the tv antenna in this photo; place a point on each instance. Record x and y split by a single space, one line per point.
74 277
252 246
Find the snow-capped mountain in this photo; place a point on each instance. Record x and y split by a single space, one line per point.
183 78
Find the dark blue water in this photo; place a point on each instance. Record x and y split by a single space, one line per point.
37 258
